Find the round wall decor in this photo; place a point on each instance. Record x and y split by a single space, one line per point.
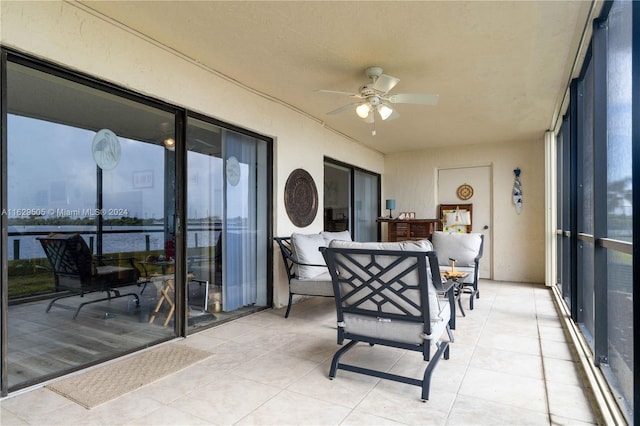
301 198
233 171
106 149
464 191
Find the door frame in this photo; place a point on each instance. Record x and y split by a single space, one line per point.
490 230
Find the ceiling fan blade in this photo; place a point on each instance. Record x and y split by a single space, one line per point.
343 108
413 98
385 83
339 92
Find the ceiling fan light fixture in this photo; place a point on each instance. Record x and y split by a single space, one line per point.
363 110
384 111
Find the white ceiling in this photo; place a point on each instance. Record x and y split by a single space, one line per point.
499 67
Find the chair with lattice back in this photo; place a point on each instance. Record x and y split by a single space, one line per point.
390 294
77 273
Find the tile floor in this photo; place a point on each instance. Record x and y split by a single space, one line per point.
510 365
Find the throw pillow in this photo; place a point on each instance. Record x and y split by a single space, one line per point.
306 248
462 247
330 236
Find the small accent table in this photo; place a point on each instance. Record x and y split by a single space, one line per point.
457 278
167 291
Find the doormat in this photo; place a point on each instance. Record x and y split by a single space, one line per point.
114 380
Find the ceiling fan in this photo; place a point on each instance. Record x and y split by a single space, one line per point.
375 98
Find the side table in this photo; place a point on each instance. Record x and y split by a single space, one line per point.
458 281
167 295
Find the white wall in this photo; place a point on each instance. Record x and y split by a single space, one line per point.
71 36
518 240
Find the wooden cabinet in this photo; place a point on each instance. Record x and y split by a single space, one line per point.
409 229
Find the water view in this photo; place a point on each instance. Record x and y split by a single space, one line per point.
23 243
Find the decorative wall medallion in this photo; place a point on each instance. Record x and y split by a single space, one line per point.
465 191
106 149
301 198
233 170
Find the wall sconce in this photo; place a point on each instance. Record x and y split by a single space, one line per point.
170 144
391 204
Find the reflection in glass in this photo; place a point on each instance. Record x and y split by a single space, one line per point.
337 197
366 208
123 211
204 222
226 223
245 223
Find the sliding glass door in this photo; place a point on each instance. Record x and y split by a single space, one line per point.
130 222
367 206
351 200
337 197
226 223
90 200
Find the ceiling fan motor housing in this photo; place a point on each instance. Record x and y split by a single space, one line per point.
374 101
374 72
367 90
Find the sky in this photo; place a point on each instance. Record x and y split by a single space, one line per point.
51 166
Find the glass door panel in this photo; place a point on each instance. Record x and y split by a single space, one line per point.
367 206
90 167
204 222
226 223
337 197
244 233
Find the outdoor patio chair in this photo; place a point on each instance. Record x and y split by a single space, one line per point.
305 277
78 273
466 251
387 294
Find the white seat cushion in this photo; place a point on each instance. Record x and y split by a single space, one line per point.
319 285
397 330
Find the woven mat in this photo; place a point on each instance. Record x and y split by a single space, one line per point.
111 381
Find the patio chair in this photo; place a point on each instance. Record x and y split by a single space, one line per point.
308 278
466 251
78 273
387 294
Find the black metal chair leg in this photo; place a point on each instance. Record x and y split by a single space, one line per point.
337 356
450 334
426 380
286 315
